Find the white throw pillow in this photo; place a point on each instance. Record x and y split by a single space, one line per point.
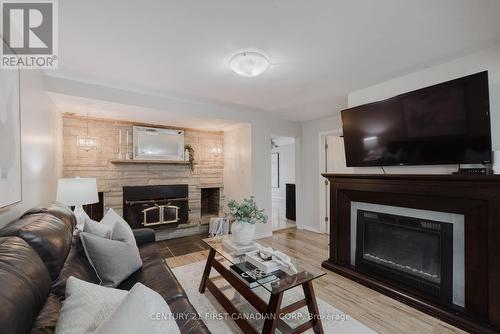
112 260
99 229
86 306
121 229
141 311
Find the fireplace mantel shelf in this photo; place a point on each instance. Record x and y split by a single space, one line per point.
151 162
415 177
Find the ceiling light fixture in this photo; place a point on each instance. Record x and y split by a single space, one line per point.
249 64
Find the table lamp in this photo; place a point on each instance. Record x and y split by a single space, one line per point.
78 192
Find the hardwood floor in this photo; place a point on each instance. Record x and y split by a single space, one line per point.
181 246
278 217
381 313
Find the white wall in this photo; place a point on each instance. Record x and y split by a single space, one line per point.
308 202
238 162
286 169
263 125
41 143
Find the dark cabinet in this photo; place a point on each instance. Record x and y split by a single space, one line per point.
96 211
290 201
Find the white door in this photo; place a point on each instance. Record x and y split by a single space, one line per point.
335 155
334 163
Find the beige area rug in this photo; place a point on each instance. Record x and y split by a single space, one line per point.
214 316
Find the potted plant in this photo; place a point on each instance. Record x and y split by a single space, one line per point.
246 214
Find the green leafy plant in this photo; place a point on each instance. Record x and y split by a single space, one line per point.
190 149
246 211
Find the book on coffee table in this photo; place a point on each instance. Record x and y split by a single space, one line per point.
252 276
235 249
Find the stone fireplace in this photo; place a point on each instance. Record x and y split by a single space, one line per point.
113 178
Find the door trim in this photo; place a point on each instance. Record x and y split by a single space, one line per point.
323 206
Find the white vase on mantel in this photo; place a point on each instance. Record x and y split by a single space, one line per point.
243 233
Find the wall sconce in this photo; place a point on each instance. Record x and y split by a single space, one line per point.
217 148
86 142
216 151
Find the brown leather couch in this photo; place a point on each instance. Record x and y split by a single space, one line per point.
37 255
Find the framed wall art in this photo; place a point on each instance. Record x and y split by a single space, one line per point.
10 139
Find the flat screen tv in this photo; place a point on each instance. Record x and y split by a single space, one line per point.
448 123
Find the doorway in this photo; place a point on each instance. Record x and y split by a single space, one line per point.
282 182
332 160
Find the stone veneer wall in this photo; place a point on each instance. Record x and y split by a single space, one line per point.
111 178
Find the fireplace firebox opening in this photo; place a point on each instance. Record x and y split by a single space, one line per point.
158 206
411 252
210 201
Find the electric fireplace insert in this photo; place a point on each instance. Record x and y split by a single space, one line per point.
411 253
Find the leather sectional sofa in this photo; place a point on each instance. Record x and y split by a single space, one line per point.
38 253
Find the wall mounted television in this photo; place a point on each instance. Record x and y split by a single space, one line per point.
448 123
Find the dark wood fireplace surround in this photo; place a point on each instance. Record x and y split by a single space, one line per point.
475 197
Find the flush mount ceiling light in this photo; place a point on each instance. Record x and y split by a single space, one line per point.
249 64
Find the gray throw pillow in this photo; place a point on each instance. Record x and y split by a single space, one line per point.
121 229
98 229
141 311
112 260
86 306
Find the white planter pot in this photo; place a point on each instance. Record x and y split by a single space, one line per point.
243 233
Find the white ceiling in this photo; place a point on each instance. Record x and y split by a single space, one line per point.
117 111
319 50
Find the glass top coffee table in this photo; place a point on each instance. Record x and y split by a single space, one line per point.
272 310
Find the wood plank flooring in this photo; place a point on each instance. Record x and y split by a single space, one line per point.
181 246
381 313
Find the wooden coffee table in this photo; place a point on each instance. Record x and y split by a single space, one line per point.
220 259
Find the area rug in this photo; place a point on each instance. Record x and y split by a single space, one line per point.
217 320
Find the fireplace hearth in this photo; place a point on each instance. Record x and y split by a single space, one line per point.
413 253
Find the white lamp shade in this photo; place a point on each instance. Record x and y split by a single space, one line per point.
78 191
